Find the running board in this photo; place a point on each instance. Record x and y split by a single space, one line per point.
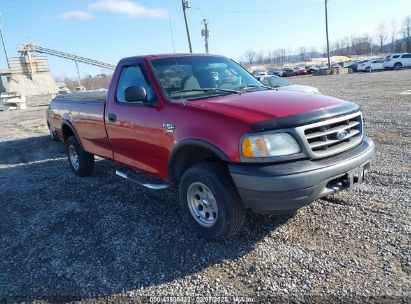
146 185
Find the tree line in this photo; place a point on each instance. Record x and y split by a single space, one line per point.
89 82
388 38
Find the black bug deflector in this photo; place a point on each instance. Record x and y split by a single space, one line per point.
304 118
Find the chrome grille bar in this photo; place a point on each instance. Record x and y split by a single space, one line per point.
333 130
328 142
332 136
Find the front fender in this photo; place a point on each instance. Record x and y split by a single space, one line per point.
174 162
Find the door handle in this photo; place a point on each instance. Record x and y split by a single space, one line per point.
112 117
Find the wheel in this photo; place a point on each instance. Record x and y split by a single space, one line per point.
81 162
397 66
368 69
210 201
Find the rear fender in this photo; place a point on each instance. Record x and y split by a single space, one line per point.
67 123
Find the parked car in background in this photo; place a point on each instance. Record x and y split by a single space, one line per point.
318 70
312 69
80 89
260 73
354 65
287 72
279 83
397 61
371 65
64 90
300 71
277 72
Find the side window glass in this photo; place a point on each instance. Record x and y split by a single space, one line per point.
265 82
132 76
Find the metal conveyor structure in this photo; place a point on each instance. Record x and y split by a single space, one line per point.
27 49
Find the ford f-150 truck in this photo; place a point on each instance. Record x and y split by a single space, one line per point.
204 124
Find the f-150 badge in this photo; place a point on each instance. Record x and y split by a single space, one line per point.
169 127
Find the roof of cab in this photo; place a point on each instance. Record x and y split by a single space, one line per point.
158 56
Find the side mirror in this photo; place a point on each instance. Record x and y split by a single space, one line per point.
135 94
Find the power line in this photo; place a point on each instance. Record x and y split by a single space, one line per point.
217 10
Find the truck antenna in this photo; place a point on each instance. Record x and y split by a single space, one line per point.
171 31
174 49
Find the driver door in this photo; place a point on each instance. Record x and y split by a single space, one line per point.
133 128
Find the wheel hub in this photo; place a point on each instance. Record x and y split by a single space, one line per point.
202 204
74 157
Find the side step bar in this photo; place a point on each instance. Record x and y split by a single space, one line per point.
146 185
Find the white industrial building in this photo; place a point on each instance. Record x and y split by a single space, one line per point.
30 77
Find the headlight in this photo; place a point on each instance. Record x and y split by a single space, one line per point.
267 145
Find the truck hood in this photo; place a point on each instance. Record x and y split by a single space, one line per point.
253 107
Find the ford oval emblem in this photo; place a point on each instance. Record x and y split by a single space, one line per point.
342 134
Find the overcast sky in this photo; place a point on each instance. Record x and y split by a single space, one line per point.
108 30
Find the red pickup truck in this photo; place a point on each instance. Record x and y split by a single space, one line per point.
207 126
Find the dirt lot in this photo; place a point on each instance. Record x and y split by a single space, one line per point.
102 238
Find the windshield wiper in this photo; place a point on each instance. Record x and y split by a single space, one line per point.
207 90
252 86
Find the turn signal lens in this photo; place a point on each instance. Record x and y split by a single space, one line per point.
247 149
254 147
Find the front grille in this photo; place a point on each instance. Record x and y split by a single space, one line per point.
333 136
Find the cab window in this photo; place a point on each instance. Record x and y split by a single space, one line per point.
132 76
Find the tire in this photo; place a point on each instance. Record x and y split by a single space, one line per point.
81 162
226 211
397 66
368 69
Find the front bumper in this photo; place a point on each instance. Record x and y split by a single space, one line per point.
267 188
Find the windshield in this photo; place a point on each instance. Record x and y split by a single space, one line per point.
275 82
192 77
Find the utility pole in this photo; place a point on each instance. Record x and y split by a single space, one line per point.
326 32
4 45
78 73
186 5
206 34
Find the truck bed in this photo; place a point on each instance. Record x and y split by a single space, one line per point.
85 112
96 96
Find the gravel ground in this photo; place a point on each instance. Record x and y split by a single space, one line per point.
103 239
